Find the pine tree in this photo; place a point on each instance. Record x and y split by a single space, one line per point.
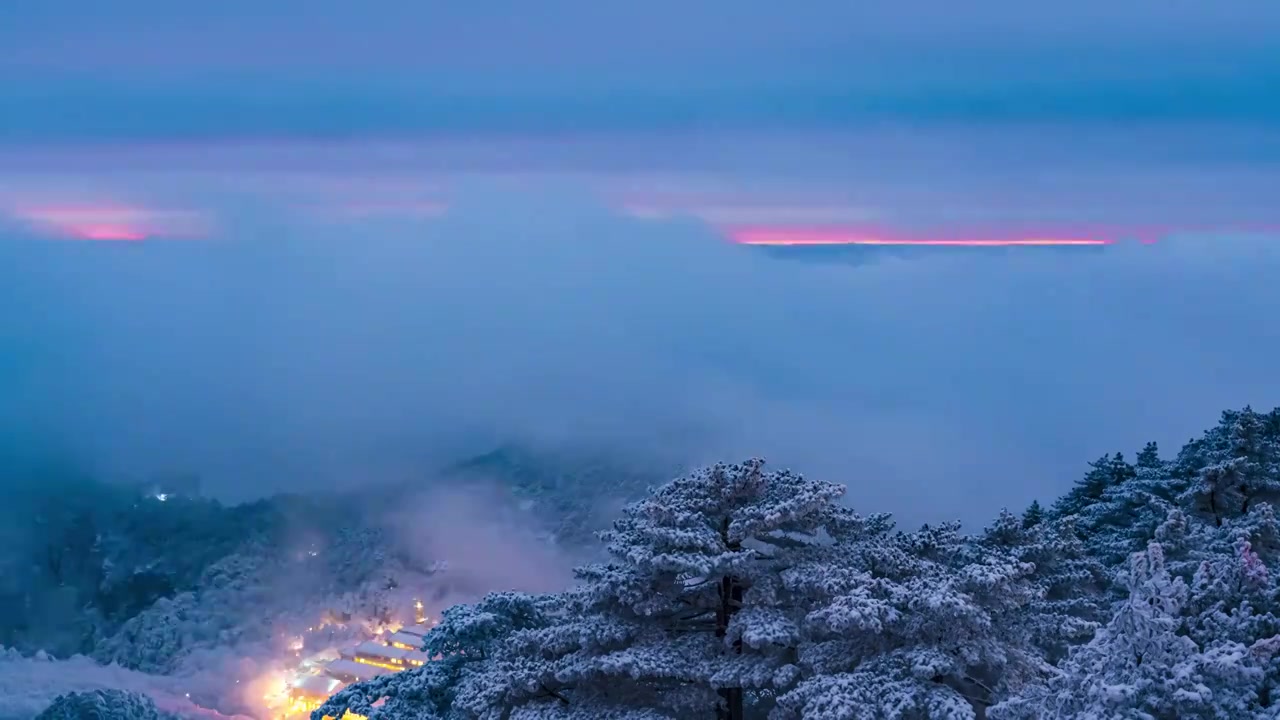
1105 472
1033 515
697 612
1232 597
462 676
1071 584
917 628
102 705
692 612
1123 519
1233 609
1233 466
735 592
1148 458
1142 666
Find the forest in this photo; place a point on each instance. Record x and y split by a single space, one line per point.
733 591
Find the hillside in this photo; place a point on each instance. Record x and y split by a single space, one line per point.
83 559
1143 589
741 592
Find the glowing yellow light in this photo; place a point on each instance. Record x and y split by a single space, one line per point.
385 666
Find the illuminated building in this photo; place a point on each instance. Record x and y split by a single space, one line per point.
311 692
350 671
416 658
375 653
405 640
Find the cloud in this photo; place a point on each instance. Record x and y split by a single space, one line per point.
483 542
146 69
290 352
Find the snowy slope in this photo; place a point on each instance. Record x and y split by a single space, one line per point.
28 685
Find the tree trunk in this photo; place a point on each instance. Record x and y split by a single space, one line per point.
731 705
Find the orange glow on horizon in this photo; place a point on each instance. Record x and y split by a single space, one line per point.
783 237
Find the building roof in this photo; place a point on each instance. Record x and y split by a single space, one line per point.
376 649
406 638
419 630
342 669
317 686
417 656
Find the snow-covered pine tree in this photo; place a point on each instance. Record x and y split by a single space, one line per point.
689 617
1233 466
692 615
1124 518
1189 540
1148 457
1232 605
1105 472
461 681
1071 584
912 627
1141 666
1033 515
102 705
1234 600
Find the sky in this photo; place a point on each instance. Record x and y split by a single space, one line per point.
137 69
298 245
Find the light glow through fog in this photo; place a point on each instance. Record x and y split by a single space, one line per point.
108 222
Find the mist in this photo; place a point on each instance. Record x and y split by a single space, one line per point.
28 685
479 547
289 354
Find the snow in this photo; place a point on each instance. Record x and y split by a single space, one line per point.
29 685
406 638
418 631
372 649
319 686
355 670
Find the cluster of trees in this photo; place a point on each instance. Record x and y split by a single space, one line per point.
738 591
116 573
103 705
80 558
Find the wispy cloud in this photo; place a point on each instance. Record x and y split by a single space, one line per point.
143 69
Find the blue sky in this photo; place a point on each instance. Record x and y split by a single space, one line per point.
146 69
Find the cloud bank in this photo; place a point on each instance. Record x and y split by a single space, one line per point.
145 70
288 354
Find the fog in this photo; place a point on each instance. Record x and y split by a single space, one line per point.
290 352
480 548
29 685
